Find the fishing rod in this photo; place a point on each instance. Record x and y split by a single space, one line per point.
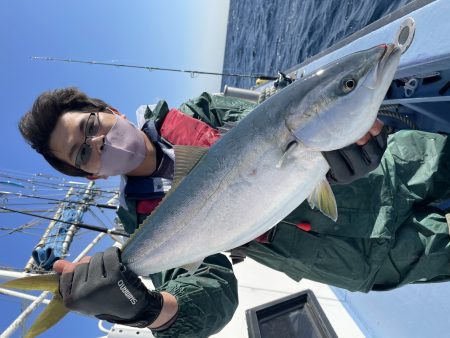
79 225
99 205
192 72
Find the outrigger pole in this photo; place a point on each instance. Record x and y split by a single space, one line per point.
192 72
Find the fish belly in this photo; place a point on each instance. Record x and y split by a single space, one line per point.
228 205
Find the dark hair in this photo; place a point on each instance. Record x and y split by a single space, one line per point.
37 124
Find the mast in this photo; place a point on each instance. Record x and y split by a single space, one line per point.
20 320
60 233
31 264
57 238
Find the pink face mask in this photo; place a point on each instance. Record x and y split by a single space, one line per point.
124 149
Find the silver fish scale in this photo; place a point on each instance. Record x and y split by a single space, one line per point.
236 192
243 190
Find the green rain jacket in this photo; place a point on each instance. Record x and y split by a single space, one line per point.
389 231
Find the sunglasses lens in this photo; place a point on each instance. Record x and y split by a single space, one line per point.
91 129
83 155
92 125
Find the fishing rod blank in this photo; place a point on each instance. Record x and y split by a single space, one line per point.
192 72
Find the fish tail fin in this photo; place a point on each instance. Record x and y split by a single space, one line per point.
52 314
47 282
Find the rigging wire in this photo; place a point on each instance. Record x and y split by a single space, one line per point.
10 231
98 205
31 178
30 224
20 196
38 210
34 204
23 232
53 186
97 218
105 215
80 225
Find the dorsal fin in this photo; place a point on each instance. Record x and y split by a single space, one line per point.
227 126
186 157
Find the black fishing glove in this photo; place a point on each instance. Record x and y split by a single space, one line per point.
106 289
354 161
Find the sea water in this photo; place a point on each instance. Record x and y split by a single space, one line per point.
265 36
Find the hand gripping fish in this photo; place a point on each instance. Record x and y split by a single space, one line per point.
256 174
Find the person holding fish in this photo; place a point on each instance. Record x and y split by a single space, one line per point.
388 232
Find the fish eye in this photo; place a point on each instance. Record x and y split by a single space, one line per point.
348 84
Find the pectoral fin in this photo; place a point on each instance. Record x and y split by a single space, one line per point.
192 267
289 148
53 312
227 126
186 158
322 197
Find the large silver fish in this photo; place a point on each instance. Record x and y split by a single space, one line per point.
266 166
257 173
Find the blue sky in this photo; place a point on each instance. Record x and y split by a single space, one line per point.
165 33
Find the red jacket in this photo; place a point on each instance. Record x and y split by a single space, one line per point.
181 129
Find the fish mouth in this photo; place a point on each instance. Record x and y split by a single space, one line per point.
390 50
389 56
